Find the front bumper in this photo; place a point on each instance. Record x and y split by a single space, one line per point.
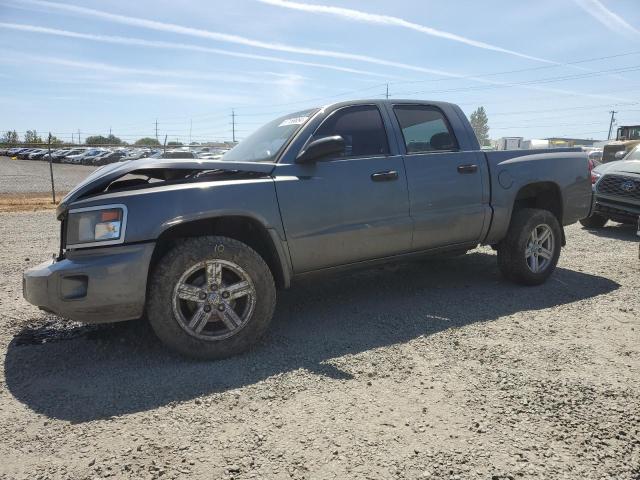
619 210
98 285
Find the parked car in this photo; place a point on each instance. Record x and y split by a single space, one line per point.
77 158
107 157
138 154
201 246
15 151
56 155
38 154
616 192
175 154
89 156
45 156
24 154
595 156
64 157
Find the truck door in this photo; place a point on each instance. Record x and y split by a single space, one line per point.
445 184
348 208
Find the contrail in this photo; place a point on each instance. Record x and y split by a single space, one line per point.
360 16
180 74
182 46
236 39
612 21
179 46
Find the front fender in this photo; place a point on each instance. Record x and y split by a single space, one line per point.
153 210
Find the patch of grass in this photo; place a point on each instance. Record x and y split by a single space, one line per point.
27 202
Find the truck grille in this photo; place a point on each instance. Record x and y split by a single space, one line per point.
609 152
619 186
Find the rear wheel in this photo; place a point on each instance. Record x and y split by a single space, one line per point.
529 253
211 297
594 221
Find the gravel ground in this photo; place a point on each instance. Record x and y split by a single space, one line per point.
436 369
31 176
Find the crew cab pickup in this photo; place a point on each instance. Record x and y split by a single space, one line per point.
200 247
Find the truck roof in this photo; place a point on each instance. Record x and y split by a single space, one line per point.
391 101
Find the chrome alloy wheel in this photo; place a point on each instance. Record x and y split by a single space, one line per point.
540 248
214 299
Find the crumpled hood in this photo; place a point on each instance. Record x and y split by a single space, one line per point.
620 166
102 177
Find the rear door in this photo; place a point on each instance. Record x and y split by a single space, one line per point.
446 193
350 207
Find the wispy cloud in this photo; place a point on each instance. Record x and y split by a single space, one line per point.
609 19
235 39
281 79
169 90
197 48
372 18
130 41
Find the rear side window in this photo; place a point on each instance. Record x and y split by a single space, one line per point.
361 127
424 129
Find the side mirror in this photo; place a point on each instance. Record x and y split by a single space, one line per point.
620 155
322 147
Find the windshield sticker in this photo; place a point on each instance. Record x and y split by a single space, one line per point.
293 121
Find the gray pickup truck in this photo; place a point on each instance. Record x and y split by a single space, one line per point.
200 247
616 188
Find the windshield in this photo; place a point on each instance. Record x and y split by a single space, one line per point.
629 133
634 154
265 144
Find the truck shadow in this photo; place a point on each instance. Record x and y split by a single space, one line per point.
86 373
616 231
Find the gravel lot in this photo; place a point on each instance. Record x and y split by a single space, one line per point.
436 369
31 176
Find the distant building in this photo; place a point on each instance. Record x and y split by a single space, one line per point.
508 143
535 144
560 142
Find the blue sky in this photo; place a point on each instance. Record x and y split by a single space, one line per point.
543 68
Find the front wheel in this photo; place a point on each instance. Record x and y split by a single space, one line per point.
594 221
529 252
211 297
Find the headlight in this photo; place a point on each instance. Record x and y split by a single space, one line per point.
595 176
94 226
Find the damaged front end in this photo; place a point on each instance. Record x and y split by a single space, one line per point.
150 173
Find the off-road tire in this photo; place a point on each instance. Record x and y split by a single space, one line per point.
179 259
594 221
511 250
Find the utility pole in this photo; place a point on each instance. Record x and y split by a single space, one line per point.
190 127
156 129
233 125
79 142
53 188
109 131
387 94
72 137
613 119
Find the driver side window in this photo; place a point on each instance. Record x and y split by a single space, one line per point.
361 127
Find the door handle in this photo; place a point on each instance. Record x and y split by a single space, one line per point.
384 176
467 168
